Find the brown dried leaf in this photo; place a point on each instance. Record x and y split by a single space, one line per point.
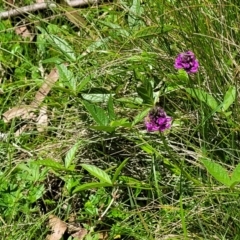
103 236
45 88
25 112
80 234
24 32
42 120
10 1
20 130
58 228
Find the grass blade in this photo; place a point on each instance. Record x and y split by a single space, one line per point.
119 169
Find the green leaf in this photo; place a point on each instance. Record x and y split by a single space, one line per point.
127 179
140 116
100 91
235 176
132 182
83 83
120 123
97 172
67 77
65 48
71 155
92 185
96 97
168 28
150 31
203 97
35 193
147 148
227 114
217 171
119 169
229 98
118 29
111 113
50 163
146 92
134 13
23 167
109 129
55 60
177 81
97 113
183 76
95 45
131 100
70 183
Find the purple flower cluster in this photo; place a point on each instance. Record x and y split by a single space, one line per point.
157 120
187 61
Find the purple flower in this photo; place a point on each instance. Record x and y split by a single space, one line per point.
187 61
157 120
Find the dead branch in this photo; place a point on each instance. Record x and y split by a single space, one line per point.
45 5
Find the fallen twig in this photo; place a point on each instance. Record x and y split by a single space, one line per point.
115 196
41 6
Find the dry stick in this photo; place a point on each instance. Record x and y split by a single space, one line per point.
41 6
115 196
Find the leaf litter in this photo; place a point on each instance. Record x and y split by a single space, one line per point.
58 228
28 111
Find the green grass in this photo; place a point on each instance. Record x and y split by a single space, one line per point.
95 164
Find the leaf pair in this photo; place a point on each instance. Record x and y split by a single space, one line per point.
105 119
208 99
98 114
67 161
101 175
221 174
145 91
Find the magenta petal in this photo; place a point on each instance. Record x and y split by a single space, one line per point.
187 61
157 120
